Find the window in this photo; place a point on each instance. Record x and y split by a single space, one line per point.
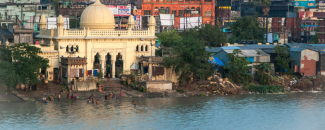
137 48
44 7
39 7
205 13
187 0
174 12
27 39
209 13
71 48
147 12
146 49
67 48
162 10
51 7
192 0
207 0
156 10
167 10
77 48
22 39
180 12
198 9
174 0
141 47
167 0
187 10
180 0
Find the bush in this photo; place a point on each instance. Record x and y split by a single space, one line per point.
180 91
266 88
276 79
246 87
140 89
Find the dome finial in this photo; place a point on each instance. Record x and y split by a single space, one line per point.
97 2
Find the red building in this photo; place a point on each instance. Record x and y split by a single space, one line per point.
181 8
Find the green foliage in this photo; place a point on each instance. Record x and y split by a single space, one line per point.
276 79
202 95
142 89
266 88
100 75
26 62
212 36
190 59
8 76
246 87
247 28
283 58
314 38
63 87
169 38
238 69
180 91
158 52
262 73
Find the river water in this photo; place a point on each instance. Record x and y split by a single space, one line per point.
300 111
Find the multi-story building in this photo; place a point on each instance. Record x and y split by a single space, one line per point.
181 9
20 11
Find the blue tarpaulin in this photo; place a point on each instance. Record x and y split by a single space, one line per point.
95 72
250 59
216 61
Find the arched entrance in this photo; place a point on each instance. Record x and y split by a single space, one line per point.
108 65
118 65
96 63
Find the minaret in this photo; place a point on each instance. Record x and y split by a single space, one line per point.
60 24
131 22
43 22
152 25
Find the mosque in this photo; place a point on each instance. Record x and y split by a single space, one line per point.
95 46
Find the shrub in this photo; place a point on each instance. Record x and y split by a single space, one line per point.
246 87
276 79
202 94
180 91
266 88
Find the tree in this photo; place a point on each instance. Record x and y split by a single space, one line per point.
190 58
8 76
169 38
247 28
266 8
238 69
100 75
25 62
212 36
262 71
283 58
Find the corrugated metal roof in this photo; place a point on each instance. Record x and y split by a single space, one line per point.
230 47
297 46
317 47
249 53
213 49
6 32
255 46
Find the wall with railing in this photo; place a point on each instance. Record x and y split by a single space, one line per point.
87 32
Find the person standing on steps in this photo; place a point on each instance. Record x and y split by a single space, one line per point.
75 96
121 92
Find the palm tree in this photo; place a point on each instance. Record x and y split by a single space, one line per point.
262 72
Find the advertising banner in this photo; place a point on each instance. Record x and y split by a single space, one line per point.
124 10
305 3
307 15
113 8
120 10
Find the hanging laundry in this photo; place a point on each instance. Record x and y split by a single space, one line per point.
90 72
76 72
95 72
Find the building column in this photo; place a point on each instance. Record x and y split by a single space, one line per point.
102 67
92 66
69 77
113 68
85 71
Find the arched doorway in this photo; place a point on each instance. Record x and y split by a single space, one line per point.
108 65
118 65
96 63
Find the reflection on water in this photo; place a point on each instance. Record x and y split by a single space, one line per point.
256 111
